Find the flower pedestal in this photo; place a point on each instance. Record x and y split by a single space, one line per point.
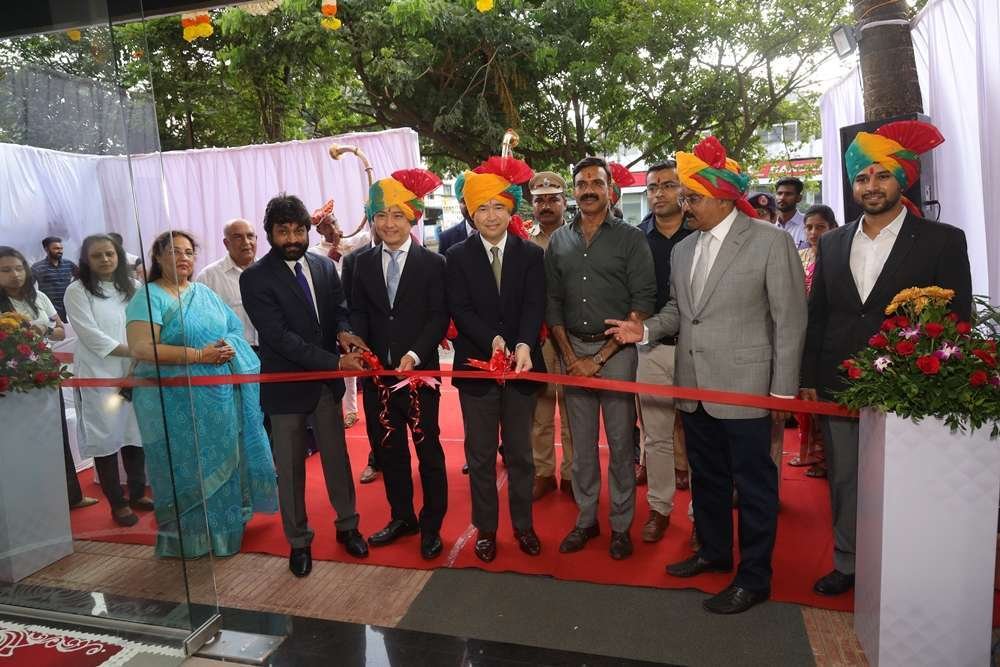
926 542
34 508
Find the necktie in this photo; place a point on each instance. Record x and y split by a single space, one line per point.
392 275
300 277
701 268
496 265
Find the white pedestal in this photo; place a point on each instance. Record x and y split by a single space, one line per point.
34 508
926 542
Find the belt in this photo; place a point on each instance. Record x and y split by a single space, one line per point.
588 338
666 340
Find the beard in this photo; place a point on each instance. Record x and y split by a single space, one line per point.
293 252
877 206
785 208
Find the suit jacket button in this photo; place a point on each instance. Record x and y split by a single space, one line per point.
695 321
391 317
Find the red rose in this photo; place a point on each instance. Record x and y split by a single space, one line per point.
4 383
2 354
902 321
978 378
3 335
889 324
24 349
39 378
986 357
848 363
854 372
929 364
963 327
42 346
905 347
953 316
933 329
879 341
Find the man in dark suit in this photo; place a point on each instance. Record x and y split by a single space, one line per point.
496 294
860 267
398 307
463 230
295 301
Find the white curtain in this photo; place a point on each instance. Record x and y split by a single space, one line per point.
50 193
960 81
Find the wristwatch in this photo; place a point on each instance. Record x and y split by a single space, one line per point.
599 359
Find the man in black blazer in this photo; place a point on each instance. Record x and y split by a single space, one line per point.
463 230
398 307
295 301
860 267
496 294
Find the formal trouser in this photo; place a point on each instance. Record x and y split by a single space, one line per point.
350 395
372 429
777 445
724 453
656 366
502 412
134 462
267 417
543 427
288 432
680 448
394 455
584 407
73 490
841 436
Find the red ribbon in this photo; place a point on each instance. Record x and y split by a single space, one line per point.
499 364
415 383
371 361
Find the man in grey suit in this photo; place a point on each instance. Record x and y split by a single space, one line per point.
739 309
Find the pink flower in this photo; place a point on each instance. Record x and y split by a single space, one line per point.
911 333
947 351
882 363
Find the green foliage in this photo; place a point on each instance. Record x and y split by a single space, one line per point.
924 362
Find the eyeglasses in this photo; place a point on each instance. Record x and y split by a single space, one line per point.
689 200
178 252
654 188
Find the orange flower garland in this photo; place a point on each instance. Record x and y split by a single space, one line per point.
330 20
196 24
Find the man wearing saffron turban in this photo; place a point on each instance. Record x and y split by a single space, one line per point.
398 307
496 295
859 268
739 312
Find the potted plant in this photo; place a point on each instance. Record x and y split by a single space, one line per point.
928 390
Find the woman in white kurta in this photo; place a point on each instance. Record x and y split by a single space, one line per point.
95 306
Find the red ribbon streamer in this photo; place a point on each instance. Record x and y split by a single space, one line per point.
370 361
499 364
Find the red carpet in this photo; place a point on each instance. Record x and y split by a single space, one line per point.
802 553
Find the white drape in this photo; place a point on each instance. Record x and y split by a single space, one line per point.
958 64
50 193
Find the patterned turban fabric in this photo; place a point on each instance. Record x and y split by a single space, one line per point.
709 172
497 178
405 189
897 147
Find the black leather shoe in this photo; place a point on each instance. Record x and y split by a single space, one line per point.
695 565
577 538
394 530
141 504
734 600
621 545
486 546
834 583
430 546
353 542
528 541
301 561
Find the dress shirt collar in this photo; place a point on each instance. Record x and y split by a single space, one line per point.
229 265
405 247
502 245
470 228
892 228
290 263
721 230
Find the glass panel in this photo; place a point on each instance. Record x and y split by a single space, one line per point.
80 160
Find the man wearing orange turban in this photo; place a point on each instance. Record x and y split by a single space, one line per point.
739 312
496 288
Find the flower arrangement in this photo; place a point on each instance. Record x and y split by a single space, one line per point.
329 10
926 362
196 25
26 360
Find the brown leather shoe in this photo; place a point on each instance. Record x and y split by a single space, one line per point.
486 546
528 542
655 526
566 486
640 475
683 478
543 486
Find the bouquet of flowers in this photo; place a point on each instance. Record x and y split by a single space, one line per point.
926 362
26 360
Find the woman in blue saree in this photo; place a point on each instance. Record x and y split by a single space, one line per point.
207 453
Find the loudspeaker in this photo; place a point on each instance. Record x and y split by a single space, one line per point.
920 193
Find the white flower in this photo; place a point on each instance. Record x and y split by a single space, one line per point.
882 363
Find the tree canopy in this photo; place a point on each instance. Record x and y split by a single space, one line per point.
573 77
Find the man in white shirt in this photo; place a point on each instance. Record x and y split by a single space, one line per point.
788 195
223 275
860 267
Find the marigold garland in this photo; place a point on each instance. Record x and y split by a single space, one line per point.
196 24
330 20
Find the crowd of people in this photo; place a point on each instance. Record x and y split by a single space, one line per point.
715 289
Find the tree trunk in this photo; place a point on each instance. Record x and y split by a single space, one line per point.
888 66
